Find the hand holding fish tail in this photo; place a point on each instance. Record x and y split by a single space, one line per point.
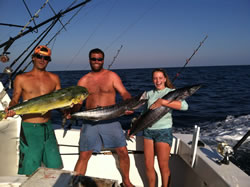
9 113
66 114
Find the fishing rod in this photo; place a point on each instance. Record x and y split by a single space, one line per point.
115 57
13 63
240 142
8 43
188 60
227 151
63 26
33 17
55 14
27 8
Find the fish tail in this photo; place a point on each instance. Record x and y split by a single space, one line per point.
2 115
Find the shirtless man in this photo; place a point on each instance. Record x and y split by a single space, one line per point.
37 139
102 85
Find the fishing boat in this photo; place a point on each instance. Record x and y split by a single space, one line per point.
192 163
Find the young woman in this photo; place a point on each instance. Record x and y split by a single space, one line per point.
158 138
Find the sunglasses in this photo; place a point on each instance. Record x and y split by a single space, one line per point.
96 59
44 57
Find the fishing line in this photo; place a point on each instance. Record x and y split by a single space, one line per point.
132 24
98 26
63 26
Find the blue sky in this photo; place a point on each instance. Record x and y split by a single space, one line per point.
153 33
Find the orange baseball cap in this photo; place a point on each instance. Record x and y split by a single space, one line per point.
43 50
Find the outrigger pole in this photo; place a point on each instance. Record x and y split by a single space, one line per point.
8 43
187 60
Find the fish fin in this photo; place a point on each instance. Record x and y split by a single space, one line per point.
68 127
44 112
2 115
64 120
143 95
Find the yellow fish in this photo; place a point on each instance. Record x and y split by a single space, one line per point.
62 98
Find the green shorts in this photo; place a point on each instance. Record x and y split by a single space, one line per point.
38 145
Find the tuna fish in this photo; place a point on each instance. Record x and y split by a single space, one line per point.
62 98
148 118
112 111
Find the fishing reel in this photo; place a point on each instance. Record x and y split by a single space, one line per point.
8 70
4 58
226 151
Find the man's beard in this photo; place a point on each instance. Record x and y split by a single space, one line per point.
94 69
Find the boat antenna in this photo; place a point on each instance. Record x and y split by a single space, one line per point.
187 60
118 51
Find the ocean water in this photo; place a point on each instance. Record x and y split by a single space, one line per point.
221 107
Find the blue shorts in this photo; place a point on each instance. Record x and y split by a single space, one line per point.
159 135
108 134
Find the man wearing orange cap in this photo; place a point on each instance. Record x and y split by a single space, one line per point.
37 139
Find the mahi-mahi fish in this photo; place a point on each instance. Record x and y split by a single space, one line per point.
112 111
151 116
62 98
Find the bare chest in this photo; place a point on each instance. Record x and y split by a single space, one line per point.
100 86
34 87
